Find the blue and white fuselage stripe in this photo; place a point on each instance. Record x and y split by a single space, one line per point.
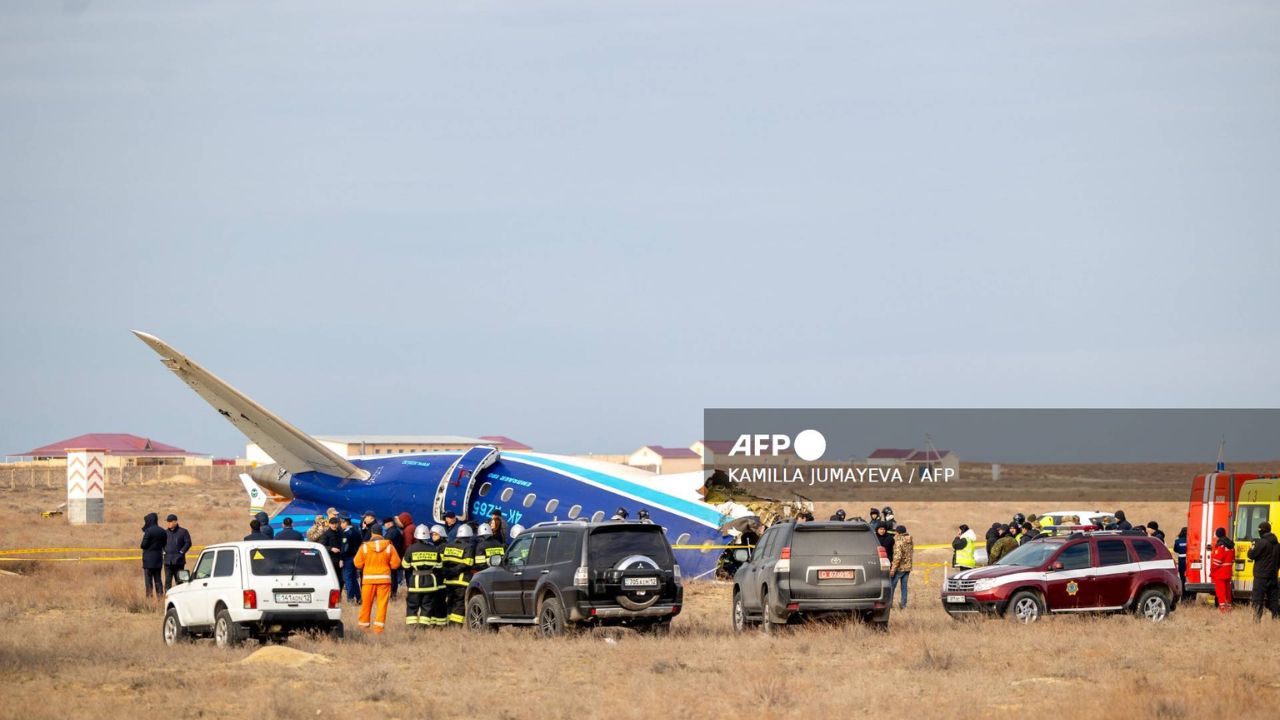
525 488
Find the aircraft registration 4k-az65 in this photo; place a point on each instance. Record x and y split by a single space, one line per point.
526 487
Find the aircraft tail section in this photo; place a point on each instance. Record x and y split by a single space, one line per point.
291 448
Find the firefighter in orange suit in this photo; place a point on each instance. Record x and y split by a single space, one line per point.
1221 563
376 558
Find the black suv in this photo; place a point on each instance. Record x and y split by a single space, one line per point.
812 569
562 575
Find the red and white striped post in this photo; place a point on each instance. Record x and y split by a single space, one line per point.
86 486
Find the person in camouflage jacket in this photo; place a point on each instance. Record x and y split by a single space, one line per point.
900 566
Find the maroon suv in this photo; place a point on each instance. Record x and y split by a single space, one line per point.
1107 571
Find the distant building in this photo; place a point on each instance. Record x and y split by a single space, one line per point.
502 442
122 450
935 459
709 450
349 446
665 460
890 456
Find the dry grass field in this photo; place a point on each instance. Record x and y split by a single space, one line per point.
78 640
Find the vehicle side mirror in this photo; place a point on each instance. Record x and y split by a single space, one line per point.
1057 565
741 555
495 560
184 576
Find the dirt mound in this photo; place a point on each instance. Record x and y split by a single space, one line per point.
173 480
282 656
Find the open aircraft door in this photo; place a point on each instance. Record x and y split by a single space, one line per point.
455 486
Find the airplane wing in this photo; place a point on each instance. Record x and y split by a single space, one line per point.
291 448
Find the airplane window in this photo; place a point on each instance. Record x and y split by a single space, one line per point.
552 505
598 516
684 538
575 511
507 493
528 499
485 488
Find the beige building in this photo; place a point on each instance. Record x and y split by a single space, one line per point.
349 446
665 460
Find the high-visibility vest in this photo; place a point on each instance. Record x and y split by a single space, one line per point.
964 556
457 559
422 560
1046 525
486 549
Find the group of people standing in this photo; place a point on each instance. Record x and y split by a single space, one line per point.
1265 554
898 545
163 548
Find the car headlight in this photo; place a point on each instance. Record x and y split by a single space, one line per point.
983 585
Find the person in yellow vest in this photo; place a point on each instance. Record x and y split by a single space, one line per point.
1046 525
965 543
376 558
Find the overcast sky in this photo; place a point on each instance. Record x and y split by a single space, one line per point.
580 223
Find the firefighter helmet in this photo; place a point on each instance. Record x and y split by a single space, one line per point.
438 530
422 532
464 531
516 530
485 530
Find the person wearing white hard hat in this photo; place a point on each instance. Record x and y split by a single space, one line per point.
424 601
487 547
516 530
458 560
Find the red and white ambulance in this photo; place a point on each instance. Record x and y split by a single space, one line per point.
1239 502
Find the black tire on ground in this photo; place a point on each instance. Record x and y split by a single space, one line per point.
336 631
227 632
552 619
877 619
741 623
173 631
770 624
1025 607
1153 605
478 613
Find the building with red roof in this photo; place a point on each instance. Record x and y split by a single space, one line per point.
121 449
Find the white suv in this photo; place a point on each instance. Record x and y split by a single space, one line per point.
263 589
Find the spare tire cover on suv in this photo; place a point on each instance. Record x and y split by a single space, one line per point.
630 573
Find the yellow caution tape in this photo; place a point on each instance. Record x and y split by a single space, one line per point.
35 551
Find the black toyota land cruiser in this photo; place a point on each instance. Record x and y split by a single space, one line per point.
559 576
812 569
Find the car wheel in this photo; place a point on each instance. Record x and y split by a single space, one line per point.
1153 605
227 632
551 618
478 614
336 631
1025 607
174 632
769 623
740 620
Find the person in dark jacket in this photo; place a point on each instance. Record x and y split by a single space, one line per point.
264 524
1265 554
331 539
255 531
838 515
177 543
993 534
392 534
1121 522
154 539
351 541
367 521
886 539
450 525
1180 550
1029 532
287 532
1153 530
499 526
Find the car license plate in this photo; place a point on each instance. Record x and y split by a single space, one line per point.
955 598
835 575
640 582
293 598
